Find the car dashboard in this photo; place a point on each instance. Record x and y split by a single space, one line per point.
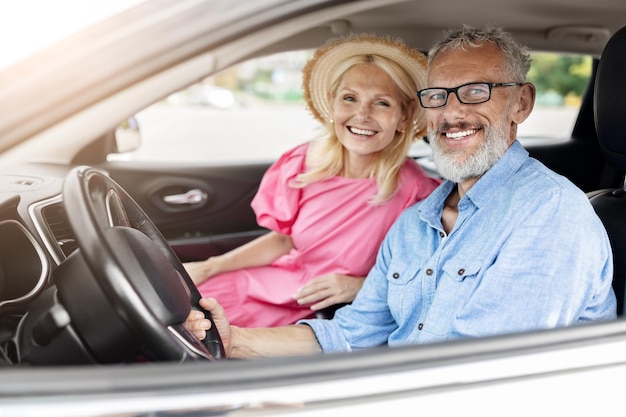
36 238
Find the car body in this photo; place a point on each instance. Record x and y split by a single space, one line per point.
61 109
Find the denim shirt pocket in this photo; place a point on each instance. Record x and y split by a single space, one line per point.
402 288
401 273
460 269
453 288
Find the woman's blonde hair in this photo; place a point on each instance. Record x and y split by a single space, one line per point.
326 155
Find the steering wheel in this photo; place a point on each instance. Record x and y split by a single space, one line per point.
136 280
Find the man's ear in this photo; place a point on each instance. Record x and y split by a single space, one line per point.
525 103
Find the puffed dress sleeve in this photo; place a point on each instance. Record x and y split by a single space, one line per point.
276 203
415 184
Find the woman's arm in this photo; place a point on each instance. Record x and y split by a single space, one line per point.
258 252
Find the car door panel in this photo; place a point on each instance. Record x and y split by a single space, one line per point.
201 210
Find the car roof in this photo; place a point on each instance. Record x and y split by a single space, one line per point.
580 27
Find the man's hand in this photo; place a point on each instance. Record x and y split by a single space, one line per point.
198 324
329 290
252 343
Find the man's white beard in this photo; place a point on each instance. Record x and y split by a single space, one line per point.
452 166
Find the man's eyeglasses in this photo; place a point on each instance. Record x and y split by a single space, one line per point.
471 93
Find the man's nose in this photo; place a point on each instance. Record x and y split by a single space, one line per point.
453 111
456 100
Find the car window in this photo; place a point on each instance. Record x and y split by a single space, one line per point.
257 111
561 81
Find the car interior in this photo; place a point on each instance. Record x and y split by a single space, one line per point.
95 223
45 324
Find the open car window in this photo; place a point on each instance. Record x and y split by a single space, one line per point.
257 111
561 80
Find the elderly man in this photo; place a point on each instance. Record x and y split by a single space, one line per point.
501 246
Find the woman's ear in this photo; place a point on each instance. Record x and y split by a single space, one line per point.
525 103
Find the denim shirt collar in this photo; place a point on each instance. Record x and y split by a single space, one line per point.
486 188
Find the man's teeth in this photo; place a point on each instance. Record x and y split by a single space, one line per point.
459 135
362 132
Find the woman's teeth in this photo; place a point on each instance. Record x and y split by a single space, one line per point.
363 132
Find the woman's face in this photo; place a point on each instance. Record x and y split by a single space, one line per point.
367 111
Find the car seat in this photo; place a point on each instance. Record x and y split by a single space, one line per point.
610 117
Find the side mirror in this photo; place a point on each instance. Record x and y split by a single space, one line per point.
127 136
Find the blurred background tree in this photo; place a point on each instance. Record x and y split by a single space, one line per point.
560 79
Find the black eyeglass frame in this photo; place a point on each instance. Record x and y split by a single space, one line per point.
455 91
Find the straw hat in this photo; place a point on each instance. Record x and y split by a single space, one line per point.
317 73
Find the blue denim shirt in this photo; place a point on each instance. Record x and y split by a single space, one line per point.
527 252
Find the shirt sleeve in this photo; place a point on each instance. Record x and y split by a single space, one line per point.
277 203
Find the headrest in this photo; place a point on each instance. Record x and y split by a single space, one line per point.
610 100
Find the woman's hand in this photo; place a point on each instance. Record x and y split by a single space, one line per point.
329 290
199 271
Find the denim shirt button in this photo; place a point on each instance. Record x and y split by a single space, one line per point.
396 275
461 271
442 234
420 326
429 272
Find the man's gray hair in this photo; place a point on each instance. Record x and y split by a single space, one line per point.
516 55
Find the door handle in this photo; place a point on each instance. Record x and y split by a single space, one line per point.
194 196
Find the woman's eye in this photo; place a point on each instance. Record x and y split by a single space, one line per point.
383 103
349 98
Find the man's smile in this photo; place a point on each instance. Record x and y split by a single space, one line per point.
461 134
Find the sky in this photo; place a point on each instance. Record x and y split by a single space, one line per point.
27 26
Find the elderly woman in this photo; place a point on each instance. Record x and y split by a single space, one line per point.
329 203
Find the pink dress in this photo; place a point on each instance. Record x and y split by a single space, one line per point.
333 228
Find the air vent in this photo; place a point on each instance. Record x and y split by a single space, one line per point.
56 220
